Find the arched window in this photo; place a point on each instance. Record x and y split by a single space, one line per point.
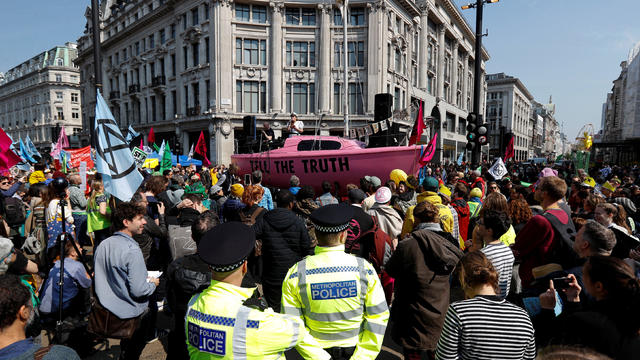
60 62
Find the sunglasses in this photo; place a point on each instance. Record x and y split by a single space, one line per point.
4 183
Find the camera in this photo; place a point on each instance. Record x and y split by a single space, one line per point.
60 186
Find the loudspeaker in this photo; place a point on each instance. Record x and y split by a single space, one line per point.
383 106
249 127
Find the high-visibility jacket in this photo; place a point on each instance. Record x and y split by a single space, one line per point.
340 298
219 326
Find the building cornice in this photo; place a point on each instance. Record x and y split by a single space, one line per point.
511 81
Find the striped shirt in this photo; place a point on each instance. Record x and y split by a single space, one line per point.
502 259
486 327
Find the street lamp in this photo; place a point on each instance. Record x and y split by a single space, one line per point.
479 5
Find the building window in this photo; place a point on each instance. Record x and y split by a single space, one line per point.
74 97
259 14
173 31
58 78
398 61
60 62
251 96
337 99
251 52
137 46
184 21
355 99
242 12
60 112
59 96
337 17
396 99
75 114
356 53
356 17
300 16
206 11
301 53
162 37
184 56
301 98
194 17
173 64
195 48
152 42
206 50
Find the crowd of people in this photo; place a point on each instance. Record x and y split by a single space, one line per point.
456 263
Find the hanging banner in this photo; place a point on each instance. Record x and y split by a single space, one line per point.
353 133
376 127
368 130
498 170
430 150
383 125
360 132
76 156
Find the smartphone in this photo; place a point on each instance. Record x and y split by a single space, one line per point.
561 283
247 179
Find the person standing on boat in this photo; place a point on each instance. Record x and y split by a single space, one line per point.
295 126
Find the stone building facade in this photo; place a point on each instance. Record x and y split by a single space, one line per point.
41 95
509 111
186 66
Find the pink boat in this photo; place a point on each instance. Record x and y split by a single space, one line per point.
317 158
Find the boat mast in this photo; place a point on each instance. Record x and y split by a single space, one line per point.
346 73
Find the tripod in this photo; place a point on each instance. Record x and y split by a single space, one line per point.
62 239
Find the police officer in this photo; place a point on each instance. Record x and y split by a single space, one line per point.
338 295
227 321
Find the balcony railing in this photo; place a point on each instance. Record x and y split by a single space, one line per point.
158 81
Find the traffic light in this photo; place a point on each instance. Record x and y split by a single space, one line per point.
477 135
472 135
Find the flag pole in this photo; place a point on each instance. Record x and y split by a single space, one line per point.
97 68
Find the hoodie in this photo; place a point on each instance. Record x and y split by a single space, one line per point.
388 219
285 241
446 217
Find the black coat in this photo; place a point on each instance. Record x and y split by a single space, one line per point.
285 241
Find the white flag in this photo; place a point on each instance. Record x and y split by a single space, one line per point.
190 153
498 170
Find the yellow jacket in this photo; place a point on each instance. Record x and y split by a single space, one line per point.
219 326
340 299
446 218
509 238
36 177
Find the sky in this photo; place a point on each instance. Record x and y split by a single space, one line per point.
569 49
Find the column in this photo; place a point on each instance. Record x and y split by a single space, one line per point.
454 73
424 45
465 78
185 142
324 65
223 48
440 73
276 56
376 48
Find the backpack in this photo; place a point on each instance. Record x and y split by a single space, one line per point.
376 245
250 220
15 212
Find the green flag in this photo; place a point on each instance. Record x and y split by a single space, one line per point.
165 162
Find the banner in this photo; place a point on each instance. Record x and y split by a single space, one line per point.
459 161
151 139
201 148
83 175
508 153
114 160
77 156
7 157
498 170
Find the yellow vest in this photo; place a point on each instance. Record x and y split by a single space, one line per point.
219 326
446 217
340 299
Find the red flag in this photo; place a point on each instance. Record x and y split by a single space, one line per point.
509 151
151 139
430 151
7 157
418 127
201 149
141 144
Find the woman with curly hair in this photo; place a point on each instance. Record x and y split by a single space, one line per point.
520 213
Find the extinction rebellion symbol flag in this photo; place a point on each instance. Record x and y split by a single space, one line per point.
114 160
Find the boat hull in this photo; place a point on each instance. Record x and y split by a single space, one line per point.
341 166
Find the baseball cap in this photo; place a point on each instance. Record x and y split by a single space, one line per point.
374 180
